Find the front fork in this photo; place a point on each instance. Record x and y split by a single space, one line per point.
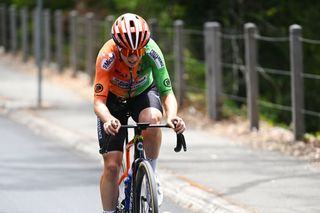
138 156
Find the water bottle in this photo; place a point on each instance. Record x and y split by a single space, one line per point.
127 190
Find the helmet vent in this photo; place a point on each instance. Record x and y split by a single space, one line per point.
130 31
131 24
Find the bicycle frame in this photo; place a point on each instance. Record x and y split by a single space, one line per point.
139 154
137 142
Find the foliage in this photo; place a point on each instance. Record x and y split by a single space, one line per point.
53 4
272 18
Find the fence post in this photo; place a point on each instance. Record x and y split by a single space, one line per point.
3 26
212 48
252 76
24 33
90 65
73 41
13 29
47 36
34 30
297 87
179 61
59 39
109 22
153 23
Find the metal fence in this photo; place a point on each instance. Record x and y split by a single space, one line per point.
249 64
200 63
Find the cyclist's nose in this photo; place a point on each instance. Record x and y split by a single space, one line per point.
133 58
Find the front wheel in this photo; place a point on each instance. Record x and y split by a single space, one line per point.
145 190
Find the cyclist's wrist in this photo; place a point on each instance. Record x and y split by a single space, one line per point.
109 118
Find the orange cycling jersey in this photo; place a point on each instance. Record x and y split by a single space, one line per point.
112 74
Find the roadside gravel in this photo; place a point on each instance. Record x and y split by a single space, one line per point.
267 137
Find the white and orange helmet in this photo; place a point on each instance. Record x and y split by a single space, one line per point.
130 31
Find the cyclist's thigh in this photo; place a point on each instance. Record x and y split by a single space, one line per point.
149 98
109 143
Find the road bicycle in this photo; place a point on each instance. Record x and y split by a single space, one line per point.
143 196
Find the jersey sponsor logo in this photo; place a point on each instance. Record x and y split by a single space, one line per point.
157 59
107 62
140 82
123 75
120 83
167 82
127 85
98 88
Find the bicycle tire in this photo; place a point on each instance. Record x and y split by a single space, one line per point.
121 185
145 190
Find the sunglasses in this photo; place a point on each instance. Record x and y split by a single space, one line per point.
127 52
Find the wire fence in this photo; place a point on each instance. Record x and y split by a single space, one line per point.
274 74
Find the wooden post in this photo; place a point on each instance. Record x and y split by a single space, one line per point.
24 33
73 41
47 36
59 39
109 22
90 63
13 29
252 76
153 24
179 61
34 32
212 47
297 85
3 25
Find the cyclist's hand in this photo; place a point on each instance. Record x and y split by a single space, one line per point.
112 126
177 124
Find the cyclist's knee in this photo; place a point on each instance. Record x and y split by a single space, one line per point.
111 169
112 165
150 115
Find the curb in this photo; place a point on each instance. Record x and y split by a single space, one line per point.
176 187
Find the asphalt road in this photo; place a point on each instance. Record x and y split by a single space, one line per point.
39 175
214 175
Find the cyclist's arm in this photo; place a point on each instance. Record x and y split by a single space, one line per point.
101 89
170 105
163 83
171 109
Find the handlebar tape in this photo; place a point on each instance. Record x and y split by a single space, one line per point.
181 143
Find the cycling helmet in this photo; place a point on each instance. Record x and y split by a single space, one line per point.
130 31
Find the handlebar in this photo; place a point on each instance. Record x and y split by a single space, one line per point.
181 142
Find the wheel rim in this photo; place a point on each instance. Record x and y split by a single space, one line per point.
145 198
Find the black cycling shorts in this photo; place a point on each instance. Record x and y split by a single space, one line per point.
122 110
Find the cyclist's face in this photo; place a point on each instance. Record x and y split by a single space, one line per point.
131 58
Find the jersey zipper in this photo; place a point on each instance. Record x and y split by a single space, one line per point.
130 83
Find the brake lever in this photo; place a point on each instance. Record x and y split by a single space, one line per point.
181 143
